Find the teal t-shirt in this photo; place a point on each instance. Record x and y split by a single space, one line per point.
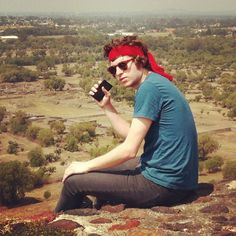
170 156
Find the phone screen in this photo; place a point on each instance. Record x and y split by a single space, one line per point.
100 94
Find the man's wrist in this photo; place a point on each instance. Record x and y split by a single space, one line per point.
108 107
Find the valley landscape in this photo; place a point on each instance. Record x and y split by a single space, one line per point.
200 53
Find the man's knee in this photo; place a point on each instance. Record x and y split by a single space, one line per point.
70 181
76 181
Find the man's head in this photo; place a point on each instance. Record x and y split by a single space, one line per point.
128 54
128 46
128 60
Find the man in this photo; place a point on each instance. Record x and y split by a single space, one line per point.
168 169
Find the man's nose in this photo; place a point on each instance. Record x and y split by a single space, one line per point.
118 70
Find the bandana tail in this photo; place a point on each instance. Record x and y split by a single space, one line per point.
158 69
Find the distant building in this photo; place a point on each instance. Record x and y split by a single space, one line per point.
4 38
121 32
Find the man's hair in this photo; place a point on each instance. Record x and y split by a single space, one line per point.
131 41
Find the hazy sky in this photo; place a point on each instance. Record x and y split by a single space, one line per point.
84 6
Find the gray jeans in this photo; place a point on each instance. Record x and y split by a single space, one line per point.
122 184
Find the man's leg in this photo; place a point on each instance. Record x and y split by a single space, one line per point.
70 198
120 186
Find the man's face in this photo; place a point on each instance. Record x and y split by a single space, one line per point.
127 72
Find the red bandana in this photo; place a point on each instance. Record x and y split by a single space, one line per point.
127 50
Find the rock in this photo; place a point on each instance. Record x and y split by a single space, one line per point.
46 216
210 213
18 226
64 224
182 227
113 208
232 195
204 199
215 209
129 224
166 210
101 221
82 212
146 232
219 219
232 185
232 221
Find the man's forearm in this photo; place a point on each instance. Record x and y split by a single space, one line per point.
113 158
120 125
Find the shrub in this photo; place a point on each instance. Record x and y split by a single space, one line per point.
83 132
71 144
55 84
58 126
15 180
52 157
36 157
32 132
18 74
229 170
3 127
214 164
3 111
12 147
98 151
41 175
206 145
35 228
47 194
45 137
19 123
200 166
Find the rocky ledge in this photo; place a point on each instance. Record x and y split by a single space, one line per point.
212 211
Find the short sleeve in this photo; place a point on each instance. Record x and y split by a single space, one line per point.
147 101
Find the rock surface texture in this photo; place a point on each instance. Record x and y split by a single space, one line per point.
212 211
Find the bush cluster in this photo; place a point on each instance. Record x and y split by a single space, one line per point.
54 84
15 180
229 170
80 133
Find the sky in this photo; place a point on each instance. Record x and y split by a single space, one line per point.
119 6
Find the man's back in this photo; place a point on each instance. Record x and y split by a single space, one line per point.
170 155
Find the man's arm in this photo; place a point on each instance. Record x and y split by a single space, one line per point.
119 124
125 151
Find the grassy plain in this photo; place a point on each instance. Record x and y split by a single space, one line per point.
73 105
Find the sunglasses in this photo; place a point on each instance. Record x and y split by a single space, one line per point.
123 65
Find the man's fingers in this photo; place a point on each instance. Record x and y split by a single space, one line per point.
107 93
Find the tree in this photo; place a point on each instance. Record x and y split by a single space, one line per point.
19 123
47 194
36 157
232 112
206 146
3 111
229 170
52 157
58 126
15 180
214 164
84 131
54 84
71 144
42 66
32 132
12 147
45 137
67 70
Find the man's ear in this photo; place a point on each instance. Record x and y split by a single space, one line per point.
141 62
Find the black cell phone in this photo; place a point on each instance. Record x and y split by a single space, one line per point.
100 94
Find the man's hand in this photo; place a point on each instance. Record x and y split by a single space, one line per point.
76 167
106 101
